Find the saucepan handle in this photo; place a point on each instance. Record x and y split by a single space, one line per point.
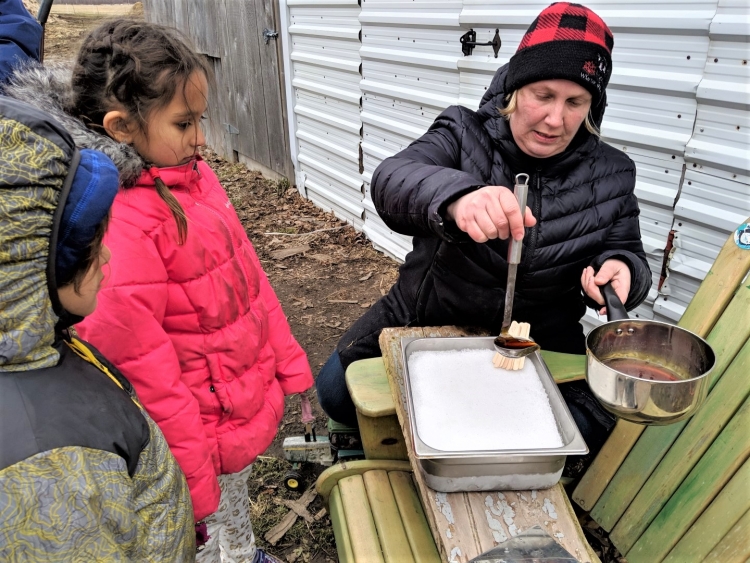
615 309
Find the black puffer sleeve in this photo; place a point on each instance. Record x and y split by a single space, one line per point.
624 243
412 188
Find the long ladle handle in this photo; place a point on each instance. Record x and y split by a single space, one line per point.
521 191
615 309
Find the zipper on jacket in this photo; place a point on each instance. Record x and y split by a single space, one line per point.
535 229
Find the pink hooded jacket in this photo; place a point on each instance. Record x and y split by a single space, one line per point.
196 328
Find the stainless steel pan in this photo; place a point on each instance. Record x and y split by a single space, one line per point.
644 371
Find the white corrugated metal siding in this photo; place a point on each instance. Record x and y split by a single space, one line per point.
409 75
324 41
682 117
715 195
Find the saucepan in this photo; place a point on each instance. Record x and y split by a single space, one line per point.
644 371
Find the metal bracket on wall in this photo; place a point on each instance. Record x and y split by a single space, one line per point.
469 41
269 34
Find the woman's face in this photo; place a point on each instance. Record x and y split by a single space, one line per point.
83 302
548 116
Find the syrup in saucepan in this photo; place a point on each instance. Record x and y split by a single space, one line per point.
642 369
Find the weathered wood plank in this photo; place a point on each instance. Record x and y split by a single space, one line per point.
282 91
359 520
716 521
204 26
727 338
725 276
340 531
734 547
717 466
508 513
687 449
412 515
391 533
279 158
222 98
465 524
159 11
244 50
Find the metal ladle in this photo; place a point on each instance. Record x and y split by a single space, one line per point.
505 344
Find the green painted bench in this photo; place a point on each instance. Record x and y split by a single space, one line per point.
376 513
677 493
681 493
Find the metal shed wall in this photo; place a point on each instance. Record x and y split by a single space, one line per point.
324 39
682 117
409 76
715 194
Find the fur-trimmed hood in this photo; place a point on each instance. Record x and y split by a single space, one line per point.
48 87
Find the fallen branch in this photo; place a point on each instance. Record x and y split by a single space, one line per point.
277 532
308 233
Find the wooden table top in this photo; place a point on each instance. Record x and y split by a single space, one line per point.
465 525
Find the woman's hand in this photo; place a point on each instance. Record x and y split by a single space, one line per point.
615 271
490 212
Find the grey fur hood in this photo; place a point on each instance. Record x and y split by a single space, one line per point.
48 87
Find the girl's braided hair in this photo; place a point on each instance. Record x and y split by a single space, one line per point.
136 66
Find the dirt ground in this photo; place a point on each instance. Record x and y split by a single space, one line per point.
325 275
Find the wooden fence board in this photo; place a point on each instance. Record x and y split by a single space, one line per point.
727 338
278 144
204 26
716 521
717 466
247 80
159 11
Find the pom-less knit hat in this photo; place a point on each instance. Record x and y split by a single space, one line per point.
566 41
91 195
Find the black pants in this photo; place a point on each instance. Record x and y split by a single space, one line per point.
361 342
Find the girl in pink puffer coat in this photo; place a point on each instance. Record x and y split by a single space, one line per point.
187 313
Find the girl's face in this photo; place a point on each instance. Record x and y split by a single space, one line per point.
174 132
83 302
548 116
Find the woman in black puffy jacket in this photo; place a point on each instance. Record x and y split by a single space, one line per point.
452 191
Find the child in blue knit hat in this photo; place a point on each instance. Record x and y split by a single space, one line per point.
85 474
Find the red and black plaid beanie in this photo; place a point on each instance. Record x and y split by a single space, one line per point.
566 41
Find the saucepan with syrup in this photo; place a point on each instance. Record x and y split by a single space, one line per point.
644 371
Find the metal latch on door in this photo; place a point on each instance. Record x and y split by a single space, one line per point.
269 34
469 41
